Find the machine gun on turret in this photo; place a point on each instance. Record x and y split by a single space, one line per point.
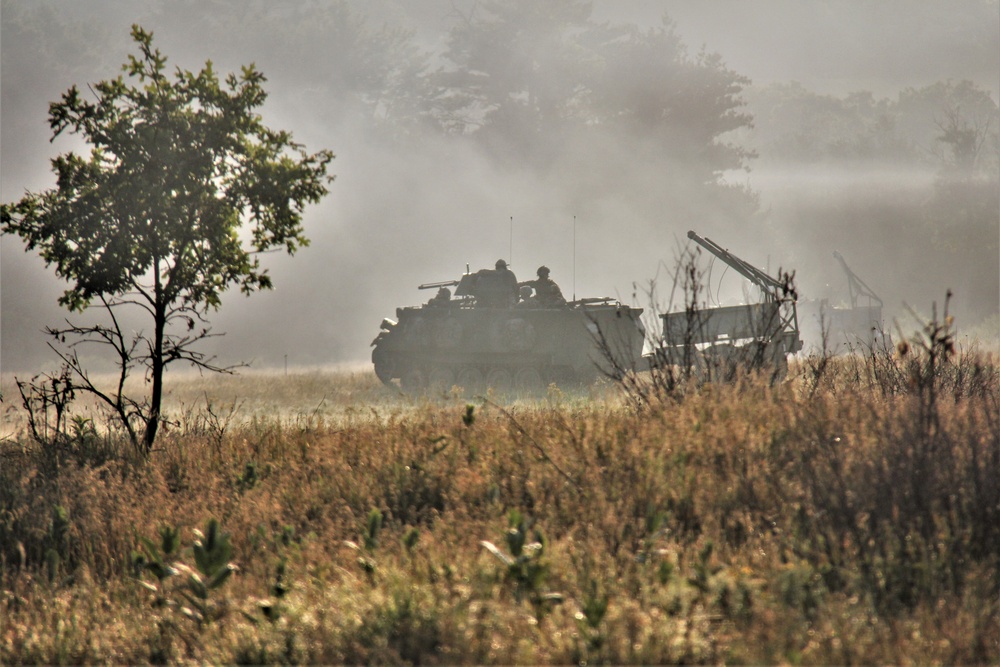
438 285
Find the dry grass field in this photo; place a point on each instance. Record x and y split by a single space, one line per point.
850 514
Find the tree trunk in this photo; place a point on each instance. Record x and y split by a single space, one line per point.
156 365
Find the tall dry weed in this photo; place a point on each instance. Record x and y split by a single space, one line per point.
740 523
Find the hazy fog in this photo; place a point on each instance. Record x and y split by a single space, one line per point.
412 205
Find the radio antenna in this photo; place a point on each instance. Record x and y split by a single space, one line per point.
574 258
510 249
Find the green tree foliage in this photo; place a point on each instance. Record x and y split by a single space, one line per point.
183 188
962 214
793 124
693 104
939 115
517 69
532 76
358 68
938 125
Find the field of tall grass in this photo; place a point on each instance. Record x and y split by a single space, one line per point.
850 514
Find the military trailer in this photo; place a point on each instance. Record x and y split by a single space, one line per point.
484 336
840 328
715 342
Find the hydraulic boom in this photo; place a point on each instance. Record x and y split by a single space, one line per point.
771 286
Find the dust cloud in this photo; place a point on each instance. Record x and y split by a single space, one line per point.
606 207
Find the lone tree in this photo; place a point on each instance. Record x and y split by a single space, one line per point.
184 187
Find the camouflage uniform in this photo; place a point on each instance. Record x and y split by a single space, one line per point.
547 292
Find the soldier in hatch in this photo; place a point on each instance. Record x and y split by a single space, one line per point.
496 288
547 292
525 297
508 280
442 298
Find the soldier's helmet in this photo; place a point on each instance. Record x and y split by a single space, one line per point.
543 272
501 264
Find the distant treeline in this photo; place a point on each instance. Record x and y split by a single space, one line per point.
526 79
596 111
944 124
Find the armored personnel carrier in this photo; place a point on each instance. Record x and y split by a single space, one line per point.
487 335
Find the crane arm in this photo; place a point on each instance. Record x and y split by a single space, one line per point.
855 285
770 285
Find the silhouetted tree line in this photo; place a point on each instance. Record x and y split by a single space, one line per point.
544 86
535 84
950 129
952 125
525 78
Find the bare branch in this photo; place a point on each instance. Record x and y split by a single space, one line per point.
534 443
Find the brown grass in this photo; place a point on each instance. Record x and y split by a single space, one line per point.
828 522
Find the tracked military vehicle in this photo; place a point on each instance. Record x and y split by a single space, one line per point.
486 335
